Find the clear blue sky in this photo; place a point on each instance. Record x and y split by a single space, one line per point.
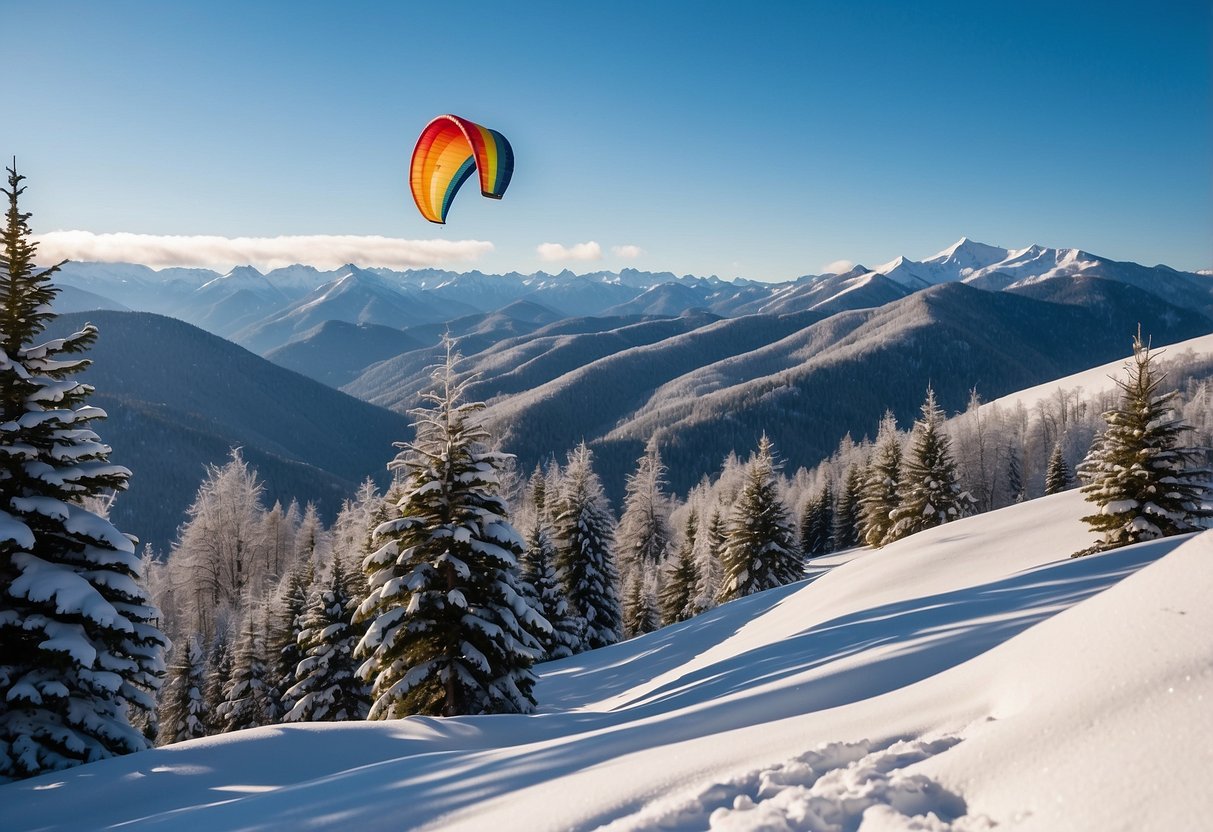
761 140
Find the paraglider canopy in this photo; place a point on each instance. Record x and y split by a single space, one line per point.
447 151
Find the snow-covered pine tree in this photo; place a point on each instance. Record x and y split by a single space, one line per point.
817 523
1145 482
451 633
879 496
760 551
539 573
248 700
1057 476
80 653
1015 487
707 561
327 687
183 711
640 613
219 662
585 560
644 529
681 577
929 493
848 513
286 623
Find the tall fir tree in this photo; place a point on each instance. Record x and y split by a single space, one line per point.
81 655
929 493
1057 475
327 687
681 577
817 523
879 495
848 512
183 711
219 661
539 573
1146 483
248 700
643 539
286 623
585 558
451 632
760 551
640 614
707 561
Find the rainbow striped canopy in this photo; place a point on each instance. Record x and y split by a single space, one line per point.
448 150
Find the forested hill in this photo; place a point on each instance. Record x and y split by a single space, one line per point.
179 398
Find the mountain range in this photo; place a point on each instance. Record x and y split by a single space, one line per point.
704 364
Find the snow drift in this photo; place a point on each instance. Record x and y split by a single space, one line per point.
970 677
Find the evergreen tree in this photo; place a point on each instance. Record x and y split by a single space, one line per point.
817 524
247 699
879 496
218 678
760 551
451 631
1145 483
639 607
539 573
1057 476
1015 487
183 709
80 654
848 512
681 577
585 559
644 528
327 686
707 561
929 493
286 624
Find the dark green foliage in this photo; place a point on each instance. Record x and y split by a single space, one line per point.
1057 477
183 710
539 575
640 613
681 581
817 523
451 632
248 700
1145 482
879 495
79 665
929 494
760 551
285 649
848 512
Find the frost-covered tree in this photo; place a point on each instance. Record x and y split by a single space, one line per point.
539 573
1146 483
644 529
1016 492
681 577
183 711
848 513
585 558
283 639
708 547
929 493
81 656
451 632
1057 476
327 687
248 700
760 550
219 663
640 614
879 495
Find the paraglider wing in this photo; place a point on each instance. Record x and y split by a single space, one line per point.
447 152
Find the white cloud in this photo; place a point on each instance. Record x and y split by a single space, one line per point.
578 251
838 267
320 250
627 252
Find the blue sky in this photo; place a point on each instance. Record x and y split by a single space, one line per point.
761 140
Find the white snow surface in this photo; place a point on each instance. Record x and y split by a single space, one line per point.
970 677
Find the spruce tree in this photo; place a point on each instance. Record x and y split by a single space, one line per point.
183 711
585 559
644 529
640 614
219 663
451 631
879 495
681 577
760 551
327 688
707 561
286 623
80 653
1145 482
1057 476
817 524
929 493
848 512
248 700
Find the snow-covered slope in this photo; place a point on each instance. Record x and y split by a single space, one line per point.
974 673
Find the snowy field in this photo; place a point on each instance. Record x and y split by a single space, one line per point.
971 677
